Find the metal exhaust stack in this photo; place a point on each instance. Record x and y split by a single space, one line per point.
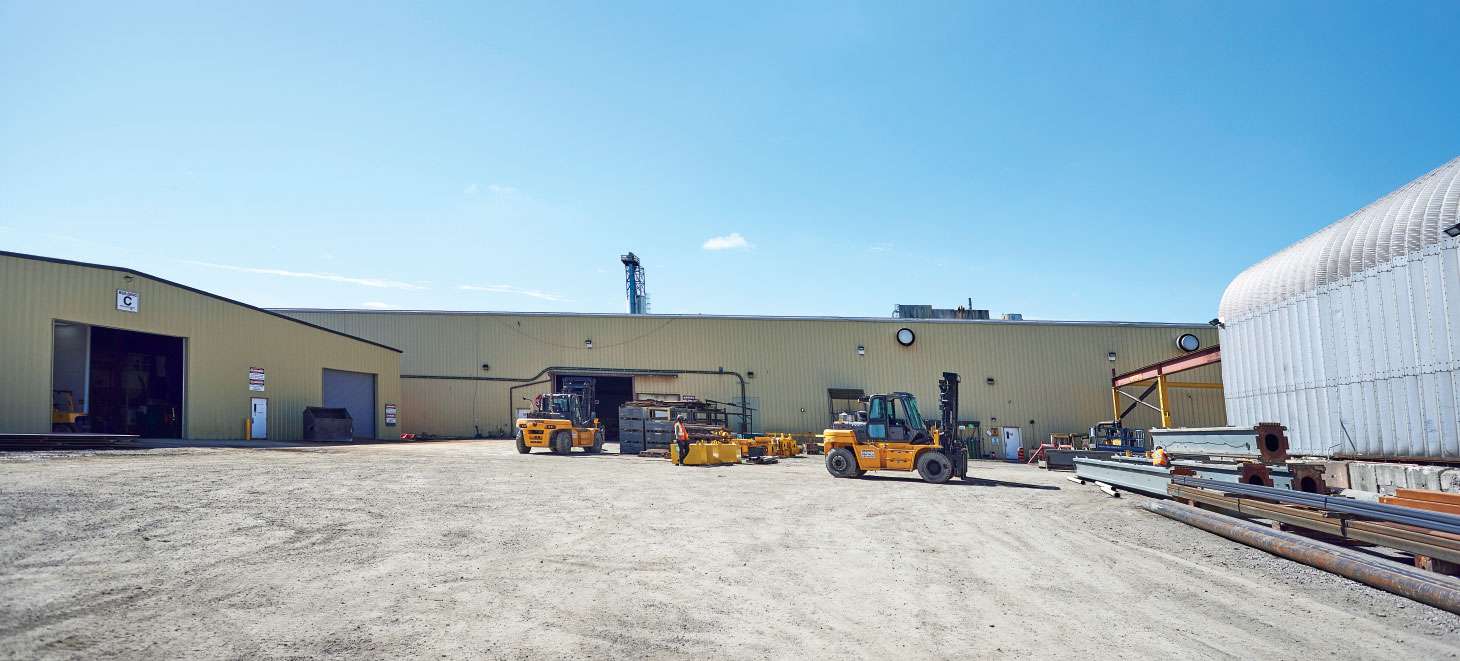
1434 589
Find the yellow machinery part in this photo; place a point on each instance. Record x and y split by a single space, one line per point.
708 453
776 445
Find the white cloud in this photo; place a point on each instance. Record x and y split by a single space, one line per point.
470 190
880 247
518 291
377 305
329 277
730 241
500 189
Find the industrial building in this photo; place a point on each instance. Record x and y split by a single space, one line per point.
111 350
1351 336
467 373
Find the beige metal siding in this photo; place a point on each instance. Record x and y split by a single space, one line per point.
1054 374
222 341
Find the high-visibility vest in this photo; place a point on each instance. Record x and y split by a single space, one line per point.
680 432
1158 458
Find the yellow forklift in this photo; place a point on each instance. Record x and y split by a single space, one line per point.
66 416
560 422
894 437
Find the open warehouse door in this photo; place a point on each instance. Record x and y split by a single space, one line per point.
110 381
609 392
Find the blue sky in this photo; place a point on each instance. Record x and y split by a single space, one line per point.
1092 160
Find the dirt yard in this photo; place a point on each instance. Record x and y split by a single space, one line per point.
467 549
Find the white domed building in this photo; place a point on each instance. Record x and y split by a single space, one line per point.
1351 336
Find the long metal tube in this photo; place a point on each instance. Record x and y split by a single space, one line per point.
1438 591
1391 513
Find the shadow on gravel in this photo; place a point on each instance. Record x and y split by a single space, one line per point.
971 482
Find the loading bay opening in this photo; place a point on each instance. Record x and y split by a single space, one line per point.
112 381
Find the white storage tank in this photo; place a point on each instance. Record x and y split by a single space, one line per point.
1351 336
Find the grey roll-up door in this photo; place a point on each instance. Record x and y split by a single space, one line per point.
354 391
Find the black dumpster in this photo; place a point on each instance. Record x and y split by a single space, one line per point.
327 424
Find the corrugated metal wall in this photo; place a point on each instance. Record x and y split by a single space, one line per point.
1056 375
1366 367
1351 336
223 340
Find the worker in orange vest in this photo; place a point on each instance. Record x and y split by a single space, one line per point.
681 438
1159 458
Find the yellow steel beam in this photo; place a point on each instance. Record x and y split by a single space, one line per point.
1165 402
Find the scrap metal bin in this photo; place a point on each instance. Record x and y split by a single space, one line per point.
328 424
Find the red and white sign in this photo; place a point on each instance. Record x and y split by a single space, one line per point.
256 379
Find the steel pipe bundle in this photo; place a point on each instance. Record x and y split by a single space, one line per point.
1425 587
1439 521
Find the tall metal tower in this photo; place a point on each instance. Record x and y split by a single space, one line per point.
634 284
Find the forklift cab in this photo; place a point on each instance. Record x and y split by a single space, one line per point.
894 418
564 406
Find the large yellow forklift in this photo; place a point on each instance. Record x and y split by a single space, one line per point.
894 437
560 422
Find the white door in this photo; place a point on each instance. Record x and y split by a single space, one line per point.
1012 443
259 413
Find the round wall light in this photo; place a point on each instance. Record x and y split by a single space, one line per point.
1188 342
906 337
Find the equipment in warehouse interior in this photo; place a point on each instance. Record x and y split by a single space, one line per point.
561 422
895 437
66 416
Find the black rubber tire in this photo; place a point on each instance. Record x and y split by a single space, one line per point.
841 462
935 467
562 442
522 444
597 446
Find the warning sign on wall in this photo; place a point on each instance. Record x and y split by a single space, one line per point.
256 379
390 415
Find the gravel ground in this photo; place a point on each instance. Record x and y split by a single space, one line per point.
467 549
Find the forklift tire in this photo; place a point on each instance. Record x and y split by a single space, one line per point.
842 463
562 442
522 444
935 467
597 446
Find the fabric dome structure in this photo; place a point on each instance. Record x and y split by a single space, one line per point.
1351 336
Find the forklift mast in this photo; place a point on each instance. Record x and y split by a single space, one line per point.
953 445
586 387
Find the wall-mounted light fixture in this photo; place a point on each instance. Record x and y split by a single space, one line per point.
989 380
1453 230
588 343
1110 356
750 374
861 350
486 367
